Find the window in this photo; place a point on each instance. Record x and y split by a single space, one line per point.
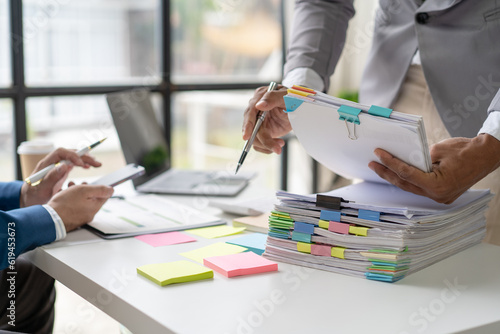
201 59
91 42
5 73
6 144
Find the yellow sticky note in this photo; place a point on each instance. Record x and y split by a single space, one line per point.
304 247
338 252
358 230
216 231
174 272
323 223
217 249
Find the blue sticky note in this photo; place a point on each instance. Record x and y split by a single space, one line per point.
303 227
369 215
255 242
330 215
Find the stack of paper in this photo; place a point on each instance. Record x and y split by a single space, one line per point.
373 230
342 135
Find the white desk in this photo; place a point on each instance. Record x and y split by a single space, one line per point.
461 293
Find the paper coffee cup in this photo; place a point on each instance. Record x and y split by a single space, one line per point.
31 152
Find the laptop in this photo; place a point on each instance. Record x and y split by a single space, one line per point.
143 142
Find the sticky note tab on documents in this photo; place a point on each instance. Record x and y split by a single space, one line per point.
240 264
165 239
357 230
217 249
174 272
304 247
216 231
338 252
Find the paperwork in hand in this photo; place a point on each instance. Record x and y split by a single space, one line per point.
371 229
342 135
142 214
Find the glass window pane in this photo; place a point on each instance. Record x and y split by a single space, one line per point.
6 141
225 41
5 74
206 134
91 42
74 122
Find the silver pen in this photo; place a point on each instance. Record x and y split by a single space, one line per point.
36 178
249 143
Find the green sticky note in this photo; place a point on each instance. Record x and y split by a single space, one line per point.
217 249
216 231
174 272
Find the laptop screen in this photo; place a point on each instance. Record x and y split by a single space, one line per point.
141 136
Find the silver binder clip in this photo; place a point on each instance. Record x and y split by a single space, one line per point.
353 135
349 114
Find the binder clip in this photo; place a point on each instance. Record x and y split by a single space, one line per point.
349 114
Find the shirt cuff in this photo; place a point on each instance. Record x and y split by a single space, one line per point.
303 76
58 223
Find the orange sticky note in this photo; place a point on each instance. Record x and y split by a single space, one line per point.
240 264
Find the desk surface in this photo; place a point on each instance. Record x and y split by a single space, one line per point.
461 293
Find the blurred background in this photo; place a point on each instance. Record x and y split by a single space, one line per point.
202 59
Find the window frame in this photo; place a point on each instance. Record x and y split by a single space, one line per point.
19 93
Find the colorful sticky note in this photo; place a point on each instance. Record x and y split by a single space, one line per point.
323 224
240 264
164 239
304 247
174 272
339 227
358 230
338 252
321 250
255 242
217 249
303 227
216 231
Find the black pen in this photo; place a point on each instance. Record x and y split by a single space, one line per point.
249 143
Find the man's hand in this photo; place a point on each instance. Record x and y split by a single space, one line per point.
78 205
457 164
53 181
276 123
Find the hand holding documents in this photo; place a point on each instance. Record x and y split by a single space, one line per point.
342 135
370 229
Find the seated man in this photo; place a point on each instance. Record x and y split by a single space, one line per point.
34 216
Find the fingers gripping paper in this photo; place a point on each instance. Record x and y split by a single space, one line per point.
346 147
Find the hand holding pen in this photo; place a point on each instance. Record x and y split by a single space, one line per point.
275 124
37 177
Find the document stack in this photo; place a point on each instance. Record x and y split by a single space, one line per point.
370 229
373 230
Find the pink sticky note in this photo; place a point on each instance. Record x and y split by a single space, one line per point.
338 227
240 264
321 250
164 239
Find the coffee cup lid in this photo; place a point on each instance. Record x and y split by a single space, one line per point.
35 147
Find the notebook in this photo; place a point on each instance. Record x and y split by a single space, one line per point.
143 142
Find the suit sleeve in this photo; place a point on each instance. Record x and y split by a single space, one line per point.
318 36
10 193
23 229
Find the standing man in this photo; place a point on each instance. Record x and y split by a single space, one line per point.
438 59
